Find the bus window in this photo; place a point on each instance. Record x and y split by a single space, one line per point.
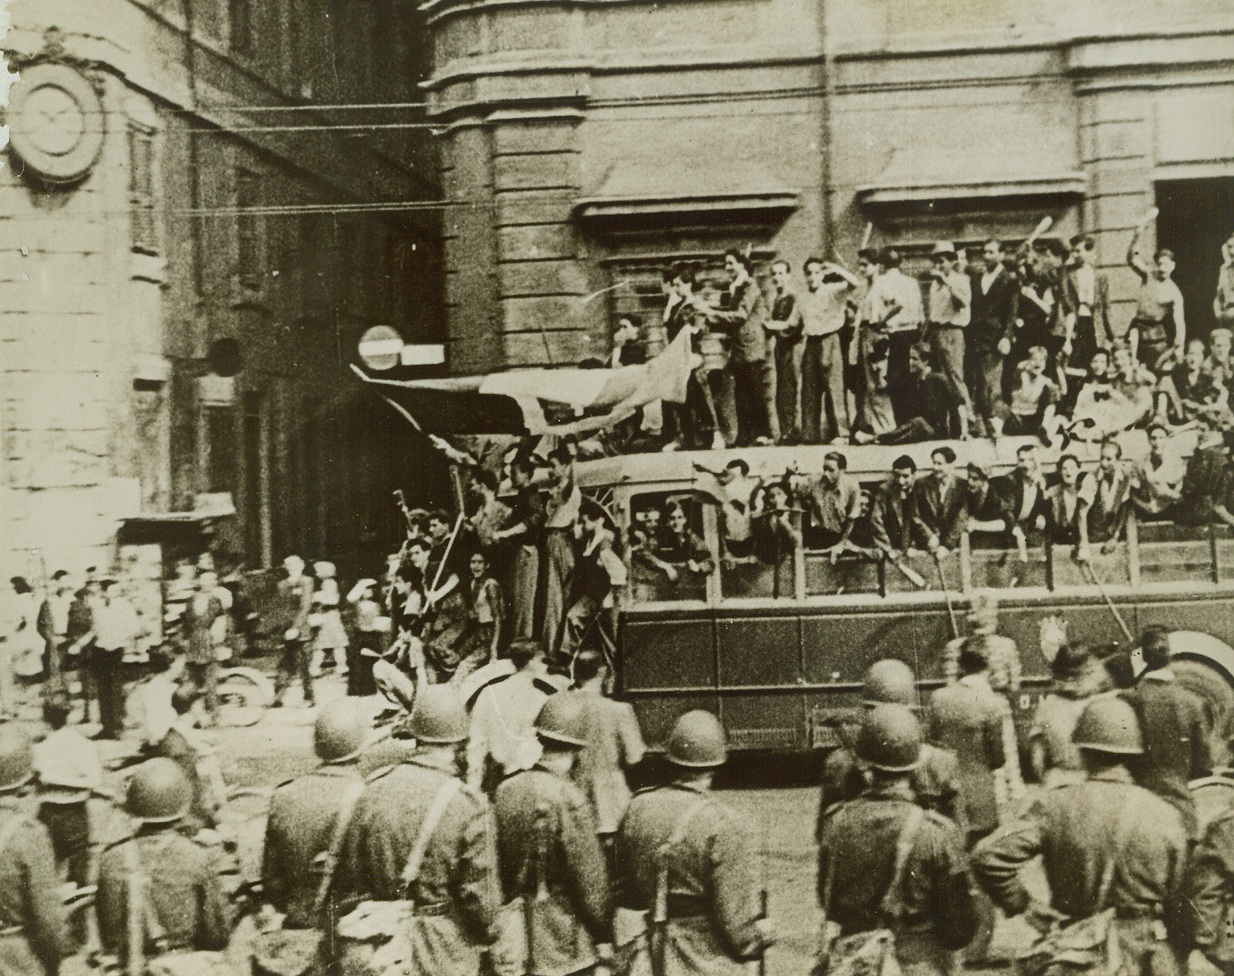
768 567
851 568
669 559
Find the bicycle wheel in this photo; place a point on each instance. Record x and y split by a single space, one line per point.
242 699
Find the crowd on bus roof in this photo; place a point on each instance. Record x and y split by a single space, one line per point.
1007 341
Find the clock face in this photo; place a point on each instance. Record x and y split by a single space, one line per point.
56 122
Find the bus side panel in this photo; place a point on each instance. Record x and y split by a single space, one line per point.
840 647
1214 617
758 651
666 655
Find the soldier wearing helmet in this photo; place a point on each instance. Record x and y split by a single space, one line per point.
864 883
181 903
1104 843
935 781
688 861
549 859
33 935
420 806
309 816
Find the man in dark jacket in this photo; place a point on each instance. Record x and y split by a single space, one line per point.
992 329
1176 731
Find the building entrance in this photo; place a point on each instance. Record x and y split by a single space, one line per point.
1197 217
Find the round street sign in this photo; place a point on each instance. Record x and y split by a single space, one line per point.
380 347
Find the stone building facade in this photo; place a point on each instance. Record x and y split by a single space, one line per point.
590 143
199 216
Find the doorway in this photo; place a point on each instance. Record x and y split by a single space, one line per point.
1196 218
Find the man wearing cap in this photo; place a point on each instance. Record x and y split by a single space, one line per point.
33 935
308 819
688 861
948 313
1177 746
180 905
292 608
935 780
552 870
420 807
925 897
937 501
1104 843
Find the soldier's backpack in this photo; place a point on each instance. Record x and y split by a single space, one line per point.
871 953
294 952
1086 946
376 935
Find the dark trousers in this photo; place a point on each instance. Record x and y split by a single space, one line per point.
788 388
912 432
109 687
898 345
205 678
822 383
751 402
694 421
295 660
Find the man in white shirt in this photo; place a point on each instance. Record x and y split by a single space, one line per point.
503 736
895 311
116 626
824 307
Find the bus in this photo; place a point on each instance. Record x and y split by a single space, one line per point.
778 646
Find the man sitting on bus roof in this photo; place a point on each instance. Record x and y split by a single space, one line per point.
833 503
930 407
938 505
891 523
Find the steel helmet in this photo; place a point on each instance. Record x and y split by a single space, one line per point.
563 720
339 732
890 682
1109 724
890 739
16 759
697 741
438 717
159 792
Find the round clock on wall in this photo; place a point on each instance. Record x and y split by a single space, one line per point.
55 121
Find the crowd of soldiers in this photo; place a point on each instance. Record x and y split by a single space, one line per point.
1009 341
507 840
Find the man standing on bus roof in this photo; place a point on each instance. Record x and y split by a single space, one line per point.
938 505
688 861
785 326
823 310
1159 323
1223 301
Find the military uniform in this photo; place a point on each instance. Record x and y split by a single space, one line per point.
711 875
181 891
1077 830
33 935
548 853
858 850
304 814
455 896
935 783
1210 888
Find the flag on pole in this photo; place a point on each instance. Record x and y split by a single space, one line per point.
540 401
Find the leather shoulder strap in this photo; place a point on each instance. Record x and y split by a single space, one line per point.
348 807
445 793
